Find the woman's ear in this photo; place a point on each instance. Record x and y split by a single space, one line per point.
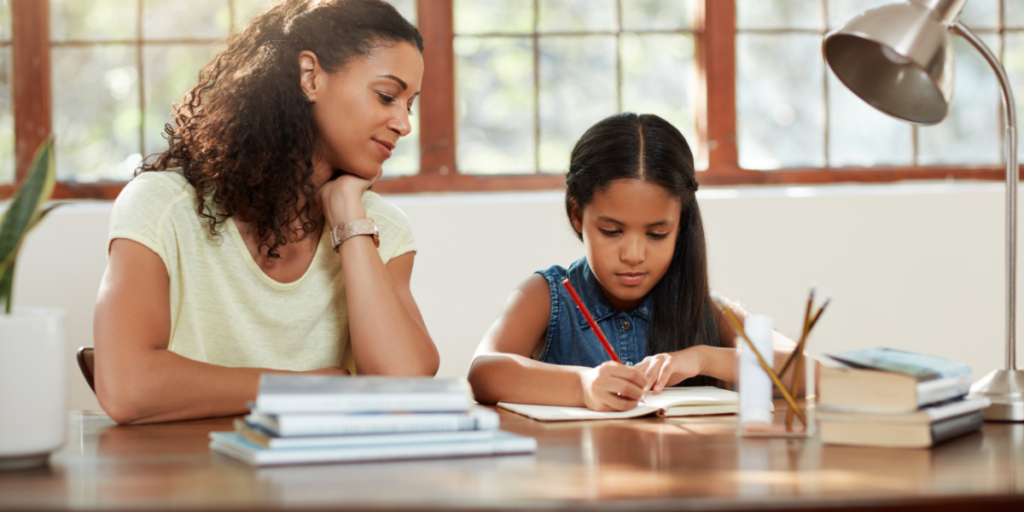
576 216
310 74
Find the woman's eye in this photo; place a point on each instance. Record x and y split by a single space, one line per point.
386 99
609 232
657 236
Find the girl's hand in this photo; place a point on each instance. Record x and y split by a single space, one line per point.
341 198
612 387
663 370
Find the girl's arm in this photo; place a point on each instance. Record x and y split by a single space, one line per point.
388 334
137 379
716 362
503 369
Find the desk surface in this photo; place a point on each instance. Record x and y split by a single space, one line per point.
642 464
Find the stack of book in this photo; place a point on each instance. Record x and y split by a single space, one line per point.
301 419
891 398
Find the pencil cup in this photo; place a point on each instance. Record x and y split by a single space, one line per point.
754 383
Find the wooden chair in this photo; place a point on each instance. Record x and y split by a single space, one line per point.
88 365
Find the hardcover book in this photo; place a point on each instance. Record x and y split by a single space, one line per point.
236 446
286 393
887 380
322 424
899 435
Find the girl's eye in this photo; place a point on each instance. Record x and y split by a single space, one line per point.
609 232
658 236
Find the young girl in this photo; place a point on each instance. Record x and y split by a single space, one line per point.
630 196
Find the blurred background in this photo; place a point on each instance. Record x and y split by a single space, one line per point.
531 76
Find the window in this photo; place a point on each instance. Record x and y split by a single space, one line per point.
118 65
793 112
511 84
533 75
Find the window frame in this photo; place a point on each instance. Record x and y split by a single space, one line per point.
715 34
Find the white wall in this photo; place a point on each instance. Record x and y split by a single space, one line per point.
917 266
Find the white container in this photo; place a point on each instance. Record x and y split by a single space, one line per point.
32 386
754 383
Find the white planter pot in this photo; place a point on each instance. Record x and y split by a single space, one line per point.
32 386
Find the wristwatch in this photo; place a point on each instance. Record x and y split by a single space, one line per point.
352 228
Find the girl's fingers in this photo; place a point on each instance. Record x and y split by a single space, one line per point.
627 390
663 378
654 371
618 403
628 373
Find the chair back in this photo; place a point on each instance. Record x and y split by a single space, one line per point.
87 365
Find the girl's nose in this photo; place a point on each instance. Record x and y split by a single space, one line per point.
634 251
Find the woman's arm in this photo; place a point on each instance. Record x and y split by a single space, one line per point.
388 335
137 379
503 369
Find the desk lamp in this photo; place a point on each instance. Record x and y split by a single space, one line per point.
899 59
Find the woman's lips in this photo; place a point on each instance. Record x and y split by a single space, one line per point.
631 278
384 147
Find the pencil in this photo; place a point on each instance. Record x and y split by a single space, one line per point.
800 346
590 320
795 383
808 325
768 369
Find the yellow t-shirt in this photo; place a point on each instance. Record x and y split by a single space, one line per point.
224 309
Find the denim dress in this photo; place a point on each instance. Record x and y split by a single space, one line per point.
571 341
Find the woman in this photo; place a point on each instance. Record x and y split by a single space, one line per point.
235 252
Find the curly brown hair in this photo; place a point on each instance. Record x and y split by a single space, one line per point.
244 137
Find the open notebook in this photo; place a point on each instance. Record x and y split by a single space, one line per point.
671 402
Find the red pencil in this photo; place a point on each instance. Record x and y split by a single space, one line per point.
590 320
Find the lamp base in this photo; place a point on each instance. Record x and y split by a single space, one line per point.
1005 388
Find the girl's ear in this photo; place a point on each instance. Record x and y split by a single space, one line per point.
577 219
310 74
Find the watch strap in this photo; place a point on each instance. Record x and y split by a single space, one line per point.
352 228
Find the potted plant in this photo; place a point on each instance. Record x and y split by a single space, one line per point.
32 380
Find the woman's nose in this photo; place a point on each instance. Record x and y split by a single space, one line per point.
401 123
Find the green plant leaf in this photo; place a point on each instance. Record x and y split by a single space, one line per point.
6 284
7 266
24 209
24 213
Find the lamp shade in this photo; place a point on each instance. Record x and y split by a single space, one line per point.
898 58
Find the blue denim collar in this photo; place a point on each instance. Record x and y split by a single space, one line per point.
586 285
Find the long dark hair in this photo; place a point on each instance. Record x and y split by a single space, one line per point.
646 147
245 135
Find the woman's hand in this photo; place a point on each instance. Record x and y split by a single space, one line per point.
663 370
330 370
341 198
612 387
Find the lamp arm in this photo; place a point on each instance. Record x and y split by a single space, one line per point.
1012 172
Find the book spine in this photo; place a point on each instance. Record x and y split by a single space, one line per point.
416 451
932 391
956 427
359 403
957 408
380 424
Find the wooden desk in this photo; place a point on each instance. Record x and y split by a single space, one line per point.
645 464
